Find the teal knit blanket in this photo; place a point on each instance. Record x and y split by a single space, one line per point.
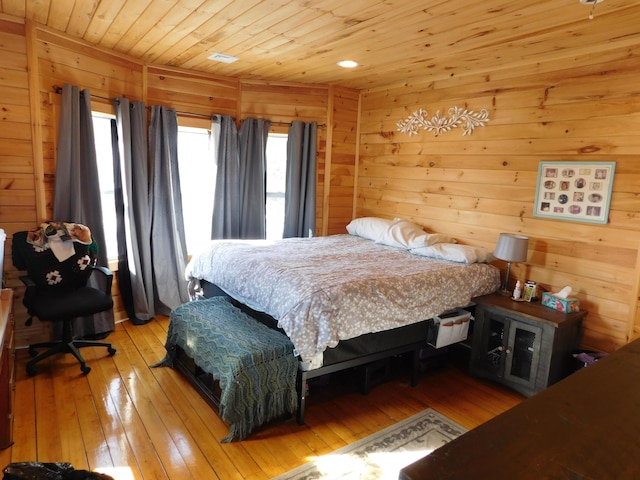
254 364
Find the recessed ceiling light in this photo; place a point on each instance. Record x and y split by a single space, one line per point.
347 64
223 57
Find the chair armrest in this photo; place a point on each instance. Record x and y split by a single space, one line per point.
27 281
29 294
108 277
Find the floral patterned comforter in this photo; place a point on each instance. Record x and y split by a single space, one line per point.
325 289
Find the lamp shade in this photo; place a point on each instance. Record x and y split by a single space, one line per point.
512 247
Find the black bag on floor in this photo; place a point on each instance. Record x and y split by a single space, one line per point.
49 471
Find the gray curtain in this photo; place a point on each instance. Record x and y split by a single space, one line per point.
300 194
226 206
239 209
77 188
168 244
253 190
131 179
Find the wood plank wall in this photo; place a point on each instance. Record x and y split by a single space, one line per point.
583 108
56 60
343 170
18 197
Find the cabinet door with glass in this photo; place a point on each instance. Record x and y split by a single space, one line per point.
493 337
522 354
509 350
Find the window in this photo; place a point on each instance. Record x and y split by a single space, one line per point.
197 165
276 183
104 157
197 182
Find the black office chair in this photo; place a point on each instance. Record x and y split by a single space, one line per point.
59 259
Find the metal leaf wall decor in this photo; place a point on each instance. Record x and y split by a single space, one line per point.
458 117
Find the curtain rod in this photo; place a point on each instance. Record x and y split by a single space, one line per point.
191 114
57 89
320 125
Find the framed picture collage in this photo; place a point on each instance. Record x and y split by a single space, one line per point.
574 191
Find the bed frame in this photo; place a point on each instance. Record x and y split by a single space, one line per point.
361 351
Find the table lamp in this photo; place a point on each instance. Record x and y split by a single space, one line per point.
511 248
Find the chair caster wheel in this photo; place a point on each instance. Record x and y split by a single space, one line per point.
31 371
86 369
112 351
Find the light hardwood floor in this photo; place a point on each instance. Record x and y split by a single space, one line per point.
148 423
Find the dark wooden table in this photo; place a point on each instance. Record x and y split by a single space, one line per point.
587 426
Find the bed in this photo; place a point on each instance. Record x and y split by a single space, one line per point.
344 300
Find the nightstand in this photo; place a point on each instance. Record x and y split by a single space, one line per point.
523 345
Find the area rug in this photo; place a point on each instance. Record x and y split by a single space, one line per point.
382 454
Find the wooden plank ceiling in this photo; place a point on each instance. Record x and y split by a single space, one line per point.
395 41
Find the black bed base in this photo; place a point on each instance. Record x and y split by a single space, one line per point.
198 378
304 376
209 388
360 351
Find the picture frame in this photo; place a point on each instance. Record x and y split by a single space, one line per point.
575 191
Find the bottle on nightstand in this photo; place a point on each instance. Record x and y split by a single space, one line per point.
517 292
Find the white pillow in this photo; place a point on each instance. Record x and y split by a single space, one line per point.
429 239
455 253
405 234
400 233
371 228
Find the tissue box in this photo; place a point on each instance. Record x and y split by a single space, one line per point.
565 305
